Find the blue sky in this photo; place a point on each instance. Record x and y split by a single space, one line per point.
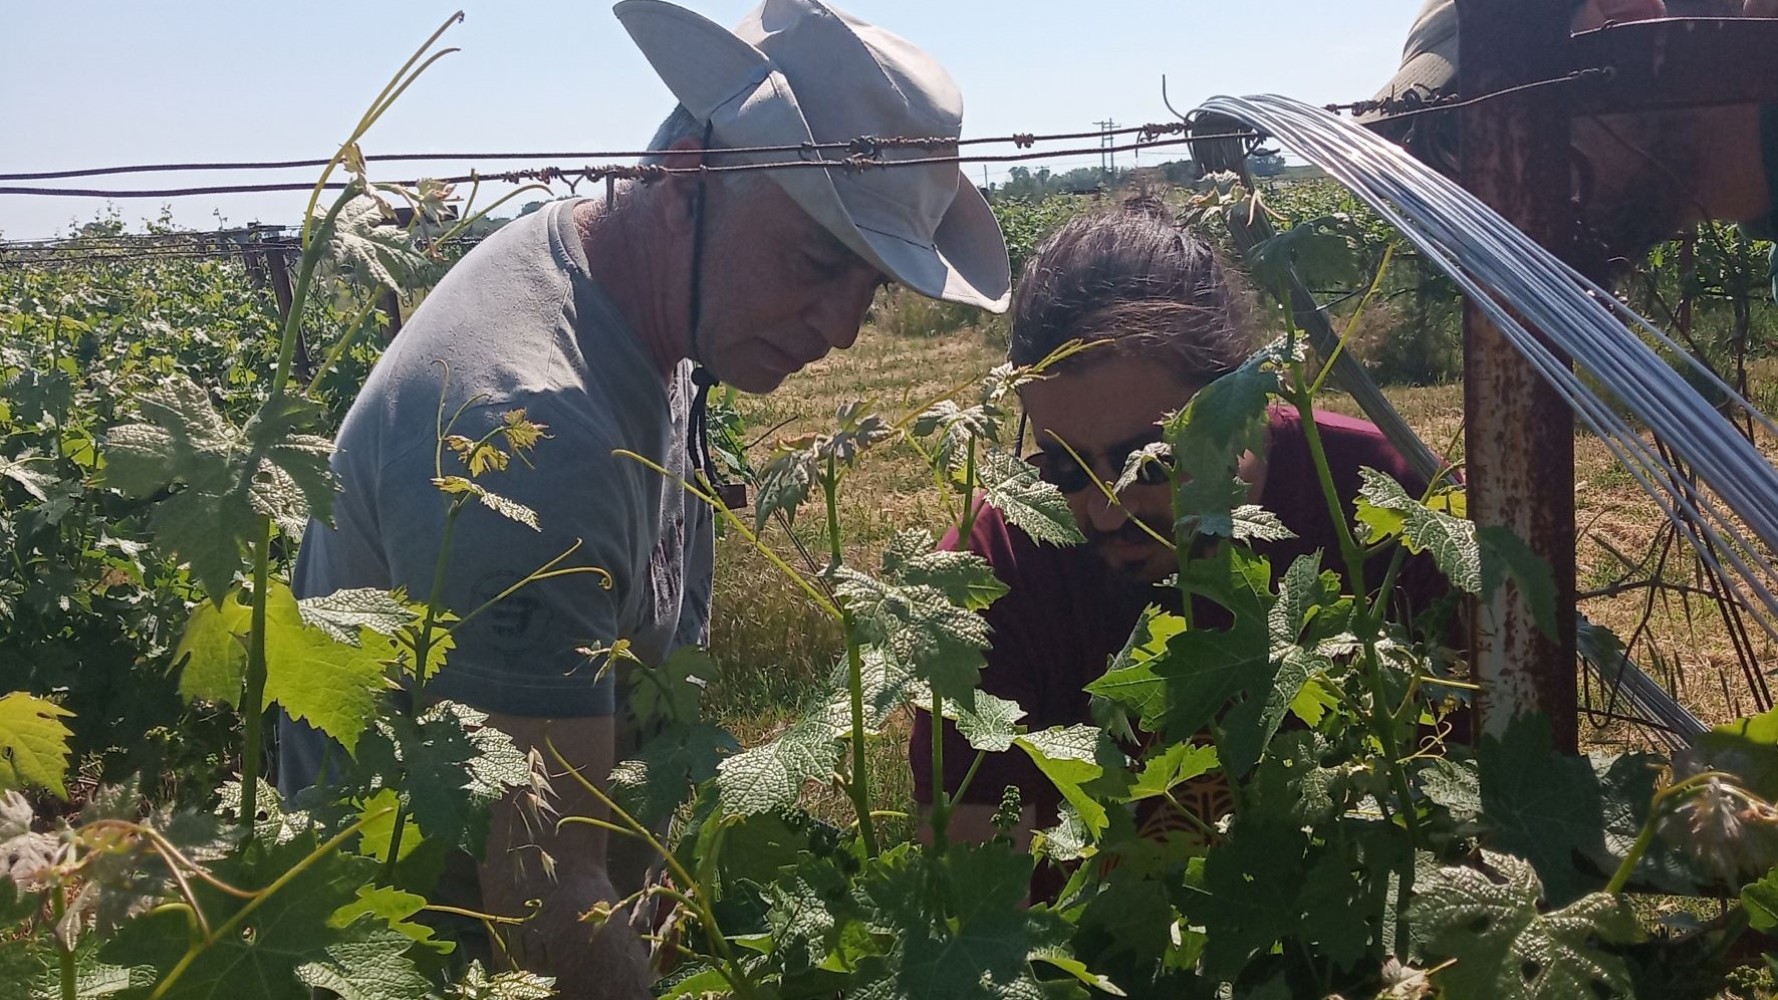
100 83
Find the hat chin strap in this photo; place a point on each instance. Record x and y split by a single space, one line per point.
697 445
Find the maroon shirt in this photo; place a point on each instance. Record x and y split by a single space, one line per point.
1067 614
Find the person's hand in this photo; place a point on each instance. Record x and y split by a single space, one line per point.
591 959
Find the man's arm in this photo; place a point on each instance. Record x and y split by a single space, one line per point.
530 855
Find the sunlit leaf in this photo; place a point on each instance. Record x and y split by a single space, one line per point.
33 743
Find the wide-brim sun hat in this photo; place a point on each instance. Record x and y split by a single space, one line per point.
1428 58
797 71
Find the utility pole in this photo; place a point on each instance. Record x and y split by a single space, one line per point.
1108 148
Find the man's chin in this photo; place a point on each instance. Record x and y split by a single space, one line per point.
1143 564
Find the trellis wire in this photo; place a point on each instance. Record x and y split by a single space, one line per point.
1488 257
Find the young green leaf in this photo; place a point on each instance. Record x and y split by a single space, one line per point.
1074 758
989 723
33 744
772 775
1026 501
1385 508
1507 948
512 510
332 686
653 783
965 578
364 245
919 627
290 943
36 482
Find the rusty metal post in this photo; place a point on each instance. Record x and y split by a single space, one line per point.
1519 444
278 263
389 301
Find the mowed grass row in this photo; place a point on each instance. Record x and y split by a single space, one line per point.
775 648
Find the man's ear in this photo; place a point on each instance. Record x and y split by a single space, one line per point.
682 189
1597 13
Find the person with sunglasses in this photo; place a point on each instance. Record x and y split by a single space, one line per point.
1164 316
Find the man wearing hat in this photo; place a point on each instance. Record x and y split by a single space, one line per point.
1647 175
603 321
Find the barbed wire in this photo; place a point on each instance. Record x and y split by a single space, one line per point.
859 149
864 145
647 173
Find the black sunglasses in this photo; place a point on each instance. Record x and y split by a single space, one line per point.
1059 469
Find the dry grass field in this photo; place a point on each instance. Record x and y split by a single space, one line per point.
773 646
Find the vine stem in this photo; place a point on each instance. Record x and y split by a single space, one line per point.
70 979
1658 809
859 787
229 926
1382 722
253 693
422 654
735 972
941 802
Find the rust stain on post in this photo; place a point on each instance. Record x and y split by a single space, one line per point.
1520 435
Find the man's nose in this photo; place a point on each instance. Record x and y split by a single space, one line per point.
839 314
1103 513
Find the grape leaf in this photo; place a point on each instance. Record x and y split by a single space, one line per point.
33 743
230 476
19 470
1250 725
512 510
288 944
1384 507
965 578
784 484
773 774
1760 900
343 613
1540 805
476 984
363 245
1027 502
1075 758
989 724
979 944
330 685
1208 437
1180 763
653 783
1249 897
919 627
392 907
455 765
1454 784
212 655
670 692
1507 949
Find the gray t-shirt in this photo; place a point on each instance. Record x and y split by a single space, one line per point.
519 322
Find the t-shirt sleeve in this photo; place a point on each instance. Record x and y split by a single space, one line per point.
522 655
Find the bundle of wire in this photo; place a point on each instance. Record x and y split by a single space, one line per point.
1504 272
